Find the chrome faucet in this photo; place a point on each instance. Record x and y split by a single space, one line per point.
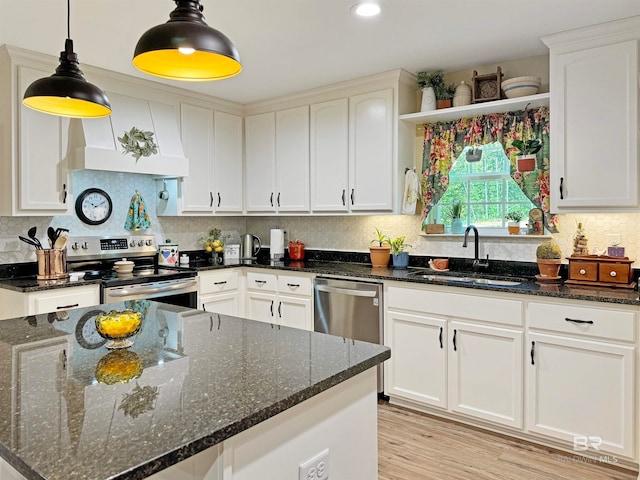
476 259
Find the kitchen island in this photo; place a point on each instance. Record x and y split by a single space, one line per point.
197 396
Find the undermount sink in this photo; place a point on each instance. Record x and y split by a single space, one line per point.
476 280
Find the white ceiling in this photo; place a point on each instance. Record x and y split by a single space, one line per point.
288 46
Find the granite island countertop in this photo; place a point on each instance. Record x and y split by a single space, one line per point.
196 379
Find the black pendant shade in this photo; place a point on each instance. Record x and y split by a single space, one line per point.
186 48
66 93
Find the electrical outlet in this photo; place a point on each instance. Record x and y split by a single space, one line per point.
316 468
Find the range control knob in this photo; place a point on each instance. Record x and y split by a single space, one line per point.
148 243
85 245
140 243
132 243
74 246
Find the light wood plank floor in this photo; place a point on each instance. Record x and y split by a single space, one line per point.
415 446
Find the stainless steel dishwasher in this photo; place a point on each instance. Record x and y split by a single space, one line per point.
351 309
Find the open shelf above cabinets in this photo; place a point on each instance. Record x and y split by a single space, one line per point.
497 106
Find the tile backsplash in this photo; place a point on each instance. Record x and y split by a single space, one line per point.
352 233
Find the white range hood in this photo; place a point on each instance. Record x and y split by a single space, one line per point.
94 142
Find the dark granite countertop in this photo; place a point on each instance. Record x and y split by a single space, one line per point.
204 378
356 265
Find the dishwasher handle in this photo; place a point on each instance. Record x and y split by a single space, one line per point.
347 291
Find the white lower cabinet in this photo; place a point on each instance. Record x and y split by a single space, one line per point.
442 359
218 291
284 299
18 304
580 377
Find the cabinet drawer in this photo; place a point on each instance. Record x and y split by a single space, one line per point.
218 282
590 321
461 305
583 271
615 272
294 285
264 282
63 299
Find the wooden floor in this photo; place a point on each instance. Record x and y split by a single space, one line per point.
414 446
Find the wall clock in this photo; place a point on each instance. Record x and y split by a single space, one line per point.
94 206
487 87
86 333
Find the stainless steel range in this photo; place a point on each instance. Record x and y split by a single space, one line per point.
95 257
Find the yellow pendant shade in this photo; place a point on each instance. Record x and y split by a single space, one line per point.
186 48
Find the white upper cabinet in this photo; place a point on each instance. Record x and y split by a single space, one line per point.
371 151
329 155
594 117
260 157
196 127
227 159
34 178
292 160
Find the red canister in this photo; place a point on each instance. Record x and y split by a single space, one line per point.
296 250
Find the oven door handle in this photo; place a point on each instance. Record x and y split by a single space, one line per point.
147 290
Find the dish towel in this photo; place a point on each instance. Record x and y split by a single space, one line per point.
137 217
411 192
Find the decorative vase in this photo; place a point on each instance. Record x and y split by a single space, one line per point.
400 260
526 163
462 96
380 255
456 226
513 228
428 100
443 103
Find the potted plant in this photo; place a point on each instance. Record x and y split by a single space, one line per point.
434 88
526 161
548 255
399 256
380 252
513 218
455 213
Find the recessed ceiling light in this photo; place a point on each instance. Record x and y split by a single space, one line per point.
366 9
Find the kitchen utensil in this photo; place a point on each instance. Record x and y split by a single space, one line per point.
296 250
32 235
61 241
164 193
123 266
29 242
168 254
51 234
248 247
276 244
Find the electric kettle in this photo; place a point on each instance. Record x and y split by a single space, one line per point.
249 245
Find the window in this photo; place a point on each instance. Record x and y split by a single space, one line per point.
485 188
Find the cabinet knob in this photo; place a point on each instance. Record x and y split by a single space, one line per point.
613 274
583 271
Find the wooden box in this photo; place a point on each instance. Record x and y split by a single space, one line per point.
601 271
434 228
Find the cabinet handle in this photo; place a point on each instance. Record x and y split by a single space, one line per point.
583 271
64 192
567 319
344 192
260 282
204 309
279 309
211 201
68 306
455 346
561 182
353 191
441 345
271 199
278 199
271 308
220 283
533 347
613 274
293 285
219 199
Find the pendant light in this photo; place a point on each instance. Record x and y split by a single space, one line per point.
186 48
66 93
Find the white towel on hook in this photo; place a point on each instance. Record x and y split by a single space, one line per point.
411 192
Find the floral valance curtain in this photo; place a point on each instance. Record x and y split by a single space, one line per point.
445 141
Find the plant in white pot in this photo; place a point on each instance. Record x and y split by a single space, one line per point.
399 255
513 219
433 88
455 214
526 161
380 252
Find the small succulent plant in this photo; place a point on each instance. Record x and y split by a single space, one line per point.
549 251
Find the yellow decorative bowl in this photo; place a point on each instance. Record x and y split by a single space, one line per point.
118 366
118 326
